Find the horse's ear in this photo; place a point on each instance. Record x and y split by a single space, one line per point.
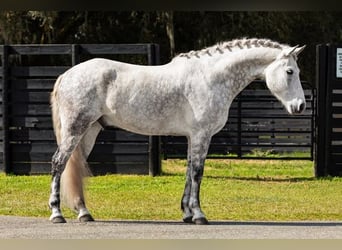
298 50
292 51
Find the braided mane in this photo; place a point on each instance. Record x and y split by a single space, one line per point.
234 44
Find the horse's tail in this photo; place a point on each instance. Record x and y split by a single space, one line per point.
76 167
56 121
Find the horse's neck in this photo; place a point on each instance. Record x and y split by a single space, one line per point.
239 68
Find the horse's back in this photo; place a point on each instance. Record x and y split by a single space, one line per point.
147 100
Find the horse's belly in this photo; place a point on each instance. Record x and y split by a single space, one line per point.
146 124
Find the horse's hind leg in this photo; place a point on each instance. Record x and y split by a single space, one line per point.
72 179
59 161
70 133
68 169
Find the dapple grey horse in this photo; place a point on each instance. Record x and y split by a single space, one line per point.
189 96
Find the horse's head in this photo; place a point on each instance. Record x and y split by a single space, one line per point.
282 79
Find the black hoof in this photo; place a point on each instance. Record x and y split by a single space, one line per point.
201 221
188 219
86 218
58 219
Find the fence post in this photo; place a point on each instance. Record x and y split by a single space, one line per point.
75 54
5 118
313 124
239 127
328 159
321 85
154 141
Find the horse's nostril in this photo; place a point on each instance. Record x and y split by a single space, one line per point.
301 107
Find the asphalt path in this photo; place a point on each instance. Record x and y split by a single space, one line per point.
40 228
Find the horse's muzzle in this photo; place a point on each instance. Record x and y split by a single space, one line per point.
297 107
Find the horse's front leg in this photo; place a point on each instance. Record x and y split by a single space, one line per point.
198 148
187 217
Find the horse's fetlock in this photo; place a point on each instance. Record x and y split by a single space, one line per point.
78 203
54 203
193 205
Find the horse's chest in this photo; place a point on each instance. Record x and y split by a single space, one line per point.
212 106
218 115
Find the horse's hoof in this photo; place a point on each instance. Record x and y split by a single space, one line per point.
201 221
86 218
58 219
188 219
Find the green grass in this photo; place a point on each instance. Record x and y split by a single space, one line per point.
231 190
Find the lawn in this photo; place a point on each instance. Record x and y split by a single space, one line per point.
241 190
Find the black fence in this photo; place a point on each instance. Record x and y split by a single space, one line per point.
329 110
258 127
28 73
257 121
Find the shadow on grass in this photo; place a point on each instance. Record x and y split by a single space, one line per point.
256 178
264 179
229 223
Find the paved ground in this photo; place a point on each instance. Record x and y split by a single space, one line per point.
38 228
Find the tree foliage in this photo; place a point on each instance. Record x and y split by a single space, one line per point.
176 31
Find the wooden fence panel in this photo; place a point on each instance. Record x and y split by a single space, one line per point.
31 141
27 142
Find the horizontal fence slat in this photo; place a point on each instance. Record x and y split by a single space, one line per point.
336 86
22 157
121 148
56 49
31 109
121 136
124 168
37 71
113 49
132 158
33 168
336 123
115 158
117 148
105 136
96 169
32 122
31 97
32 135
32 84
40 148
336 136
35 49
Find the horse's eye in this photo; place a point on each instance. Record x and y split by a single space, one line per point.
289 71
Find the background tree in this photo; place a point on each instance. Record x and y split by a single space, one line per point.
176 31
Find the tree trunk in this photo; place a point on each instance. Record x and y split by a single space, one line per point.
170 31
